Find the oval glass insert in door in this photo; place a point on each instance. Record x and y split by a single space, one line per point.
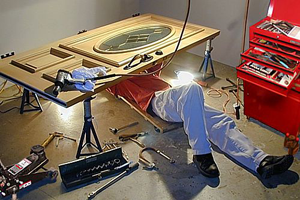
134 39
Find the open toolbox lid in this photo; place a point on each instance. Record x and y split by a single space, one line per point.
286 10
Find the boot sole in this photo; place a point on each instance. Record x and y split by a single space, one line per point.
278 168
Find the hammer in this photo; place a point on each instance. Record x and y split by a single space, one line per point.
116 130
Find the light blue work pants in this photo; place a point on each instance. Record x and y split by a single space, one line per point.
202 124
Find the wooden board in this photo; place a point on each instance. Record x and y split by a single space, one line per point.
89 45
160 125
35 69
42 59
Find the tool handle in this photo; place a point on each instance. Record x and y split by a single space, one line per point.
117 178
132 167
134 135
69 138
129 125
237 107
137 142
2 166
165 156
48 140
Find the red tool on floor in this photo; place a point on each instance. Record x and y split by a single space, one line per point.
23 174
292 143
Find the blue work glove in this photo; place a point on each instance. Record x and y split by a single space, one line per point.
86 73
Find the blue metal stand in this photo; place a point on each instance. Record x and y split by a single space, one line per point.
207 60
87 128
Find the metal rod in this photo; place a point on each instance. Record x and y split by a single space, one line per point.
117 178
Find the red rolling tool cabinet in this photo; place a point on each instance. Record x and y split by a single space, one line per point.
271 68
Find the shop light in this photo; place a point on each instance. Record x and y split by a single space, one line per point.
183 78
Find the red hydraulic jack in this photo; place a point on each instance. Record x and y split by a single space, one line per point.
23 174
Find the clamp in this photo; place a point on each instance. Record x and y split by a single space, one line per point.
152 165
148 165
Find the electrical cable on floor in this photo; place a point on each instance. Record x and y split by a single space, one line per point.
217 93
3 88
12 97
10 109
6 111
1 102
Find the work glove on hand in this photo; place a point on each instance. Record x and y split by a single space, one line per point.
87 73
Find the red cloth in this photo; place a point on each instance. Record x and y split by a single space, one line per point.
140 89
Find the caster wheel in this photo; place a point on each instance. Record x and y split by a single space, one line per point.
156 129
52 173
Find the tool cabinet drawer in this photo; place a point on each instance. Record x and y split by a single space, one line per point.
276 46
271 59
266 77
280 30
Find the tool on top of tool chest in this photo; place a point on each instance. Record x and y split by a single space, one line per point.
23 174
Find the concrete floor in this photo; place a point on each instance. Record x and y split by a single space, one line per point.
172 181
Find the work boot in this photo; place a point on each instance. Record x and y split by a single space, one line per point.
206 165
271 165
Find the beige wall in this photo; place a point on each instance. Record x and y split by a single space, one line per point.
27 24
226 15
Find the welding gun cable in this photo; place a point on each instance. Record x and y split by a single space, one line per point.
163 65
129 66
102 77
